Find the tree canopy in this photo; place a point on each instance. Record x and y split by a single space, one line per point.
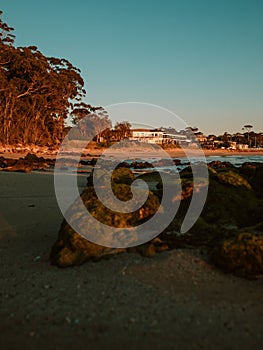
91 121
123 130
37 93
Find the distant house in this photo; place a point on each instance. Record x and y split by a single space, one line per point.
200 137
147 135
175 138
156 136
232 145
242 146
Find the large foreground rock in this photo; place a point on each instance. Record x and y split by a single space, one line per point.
73 249
241 254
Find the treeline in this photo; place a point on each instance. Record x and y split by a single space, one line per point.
37 94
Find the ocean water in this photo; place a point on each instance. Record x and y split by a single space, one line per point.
235 160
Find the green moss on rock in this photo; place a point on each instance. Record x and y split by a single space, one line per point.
232 178
241 255
122 176
73 249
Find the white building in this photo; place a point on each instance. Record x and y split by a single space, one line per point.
156 136
147 135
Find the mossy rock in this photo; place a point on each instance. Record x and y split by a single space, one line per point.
216 164
232 178
122 176
150 249
241 255
118 176
231 205
73 249
256 180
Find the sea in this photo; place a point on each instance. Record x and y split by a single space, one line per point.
235 160
184 162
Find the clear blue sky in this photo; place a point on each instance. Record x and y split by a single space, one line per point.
202 59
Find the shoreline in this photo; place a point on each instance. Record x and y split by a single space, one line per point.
173 153
21 162
222 153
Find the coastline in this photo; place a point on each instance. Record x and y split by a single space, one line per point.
137 152
218 153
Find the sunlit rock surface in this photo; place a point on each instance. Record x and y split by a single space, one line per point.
73 249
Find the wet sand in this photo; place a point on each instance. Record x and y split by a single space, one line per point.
172 301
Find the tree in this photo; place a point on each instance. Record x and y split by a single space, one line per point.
191 132
37 93
122 130
248 128
91 121
6 36
107 135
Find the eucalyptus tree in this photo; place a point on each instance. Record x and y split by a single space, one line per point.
122 130
248 128
37 93
91 121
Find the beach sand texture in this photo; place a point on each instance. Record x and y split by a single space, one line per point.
139 151
172 301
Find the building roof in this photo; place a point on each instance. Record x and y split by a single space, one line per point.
147 130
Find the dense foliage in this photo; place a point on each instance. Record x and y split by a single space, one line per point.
37 93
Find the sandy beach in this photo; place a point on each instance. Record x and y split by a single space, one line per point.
138 152
172 301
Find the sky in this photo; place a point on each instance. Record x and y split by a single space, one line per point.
200 59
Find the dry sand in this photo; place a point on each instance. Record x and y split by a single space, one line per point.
141 152
219 153
172 301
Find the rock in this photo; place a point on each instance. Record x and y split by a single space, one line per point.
73 249
232 205
124 165
216 164
123 176
231 200
20 166
177 161
91 162
3 162
241 255
166 162
141 165
32 158
118 176
7 162
150 249
28 163
256 180
233 178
